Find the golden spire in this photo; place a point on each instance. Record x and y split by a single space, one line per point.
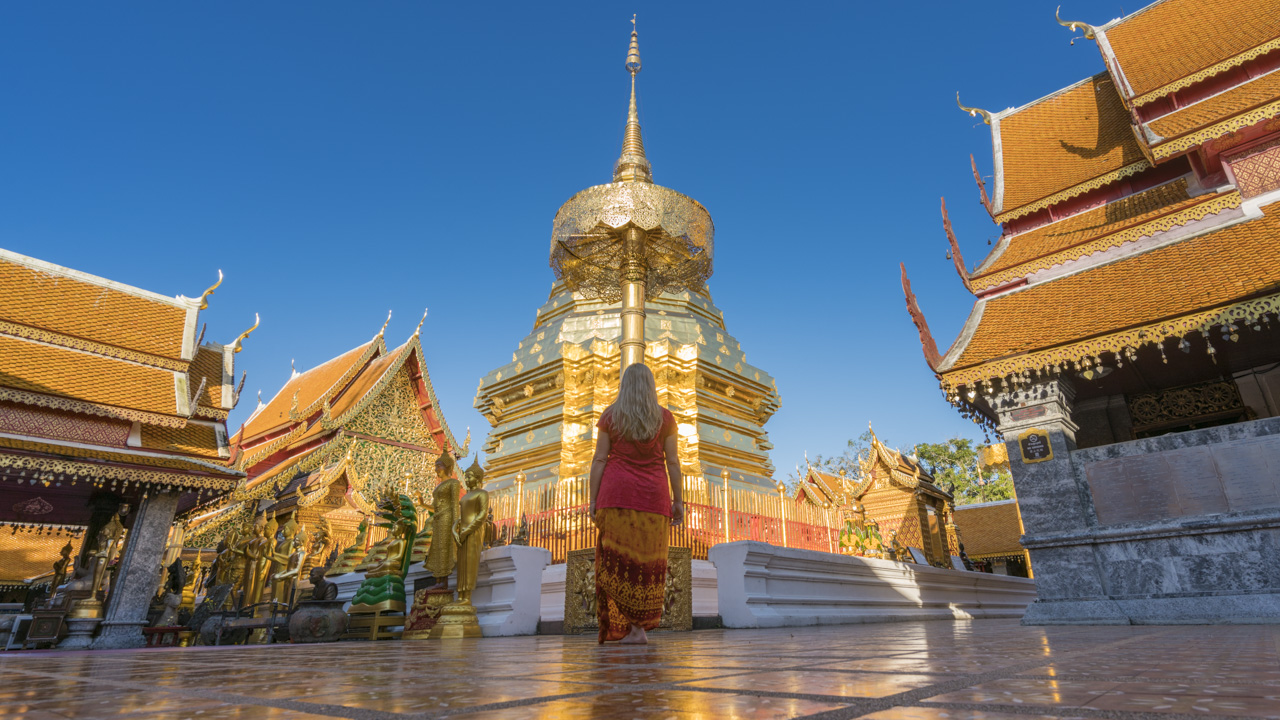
633 166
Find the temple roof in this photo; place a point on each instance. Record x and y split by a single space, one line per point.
313 387
115 387
196 438
1195 274
1073 141
1126 219
132 465
59 300
1205 120
1174 43
989 529
29 554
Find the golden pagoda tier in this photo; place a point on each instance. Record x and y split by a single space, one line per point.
545 403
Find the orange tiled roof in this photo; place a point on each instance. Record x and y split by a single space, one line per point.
989 528
194 439
310 386
1092 224
1196 274
90 378
27 554
1175 39
1056 144
207 366
119 458
1258 91
366 381
73 306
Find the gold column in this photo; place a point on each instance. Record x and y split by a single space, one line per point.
633 275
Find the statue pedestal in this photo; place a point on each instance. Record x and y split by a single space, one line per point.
425 613
456 621
79 633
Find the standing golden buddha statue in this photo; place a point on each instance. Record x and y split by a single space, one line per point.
442 556
458 619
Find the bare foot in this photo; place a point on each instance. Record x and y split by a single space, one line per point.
635 637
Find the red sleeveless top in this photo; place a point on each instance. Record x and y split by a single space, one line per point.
635 474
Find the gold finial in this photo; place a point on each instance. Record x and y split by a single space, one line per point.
418 330
385 324
236 346
633 166
1075 26
974 112
204 296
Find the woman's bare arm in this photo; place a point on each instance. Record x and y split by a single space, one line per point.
669 447
597 470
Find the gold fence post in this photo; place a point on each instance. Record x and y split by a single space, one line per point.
782 510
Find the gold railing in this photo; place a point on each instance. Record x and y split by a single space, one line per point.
556 517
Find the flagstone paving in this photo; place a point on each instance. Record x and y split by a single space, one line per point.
990 670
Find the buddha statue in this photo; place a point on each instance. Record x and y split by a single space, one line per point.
352 556
383 587
490 530
284 581
458 619
60 567
443 554
469 531
257 561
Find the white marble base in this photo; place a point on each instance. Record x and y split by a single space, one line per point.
508 594
761 585
705 601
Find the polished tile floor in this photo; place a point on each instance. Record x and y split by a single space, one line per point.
908 671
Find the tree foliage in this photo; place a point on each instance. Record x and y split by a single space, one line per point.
954 467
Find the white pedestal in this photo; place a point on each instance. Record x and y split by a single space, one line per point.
761 585
508 594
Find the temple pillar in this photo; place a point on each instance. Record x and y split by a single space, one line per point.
1069 583
138 574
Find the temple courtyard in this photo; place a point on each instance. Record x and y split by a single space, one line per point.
918 670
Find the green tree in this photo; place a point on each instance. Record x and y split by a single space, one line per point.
954 467
846 461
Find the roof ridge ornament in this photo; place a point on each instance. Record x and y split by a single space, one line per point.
973 111
418 330
633 165
236 346
982 187
204 296
927 343
954 255
1089 31
384 325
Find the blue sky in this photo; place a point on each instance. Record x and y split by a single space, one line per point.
339 159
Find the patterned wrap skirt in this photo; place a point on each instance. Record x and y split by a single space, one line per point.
631 570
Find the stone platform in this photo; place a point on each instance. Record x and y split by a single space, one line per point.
989 669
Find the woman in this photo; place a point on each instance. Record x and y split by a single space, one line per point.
635 497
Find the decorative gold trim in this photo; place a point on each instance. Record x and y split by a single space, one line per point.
26 332
1248 312
1225 201
64 403
1094 184
1206 73
1188 142
211 413
96 471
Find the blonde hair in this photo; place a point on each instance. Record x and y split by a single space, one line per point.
636 414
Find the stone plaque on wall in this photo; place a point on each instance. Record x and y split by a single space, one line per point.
1236 476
